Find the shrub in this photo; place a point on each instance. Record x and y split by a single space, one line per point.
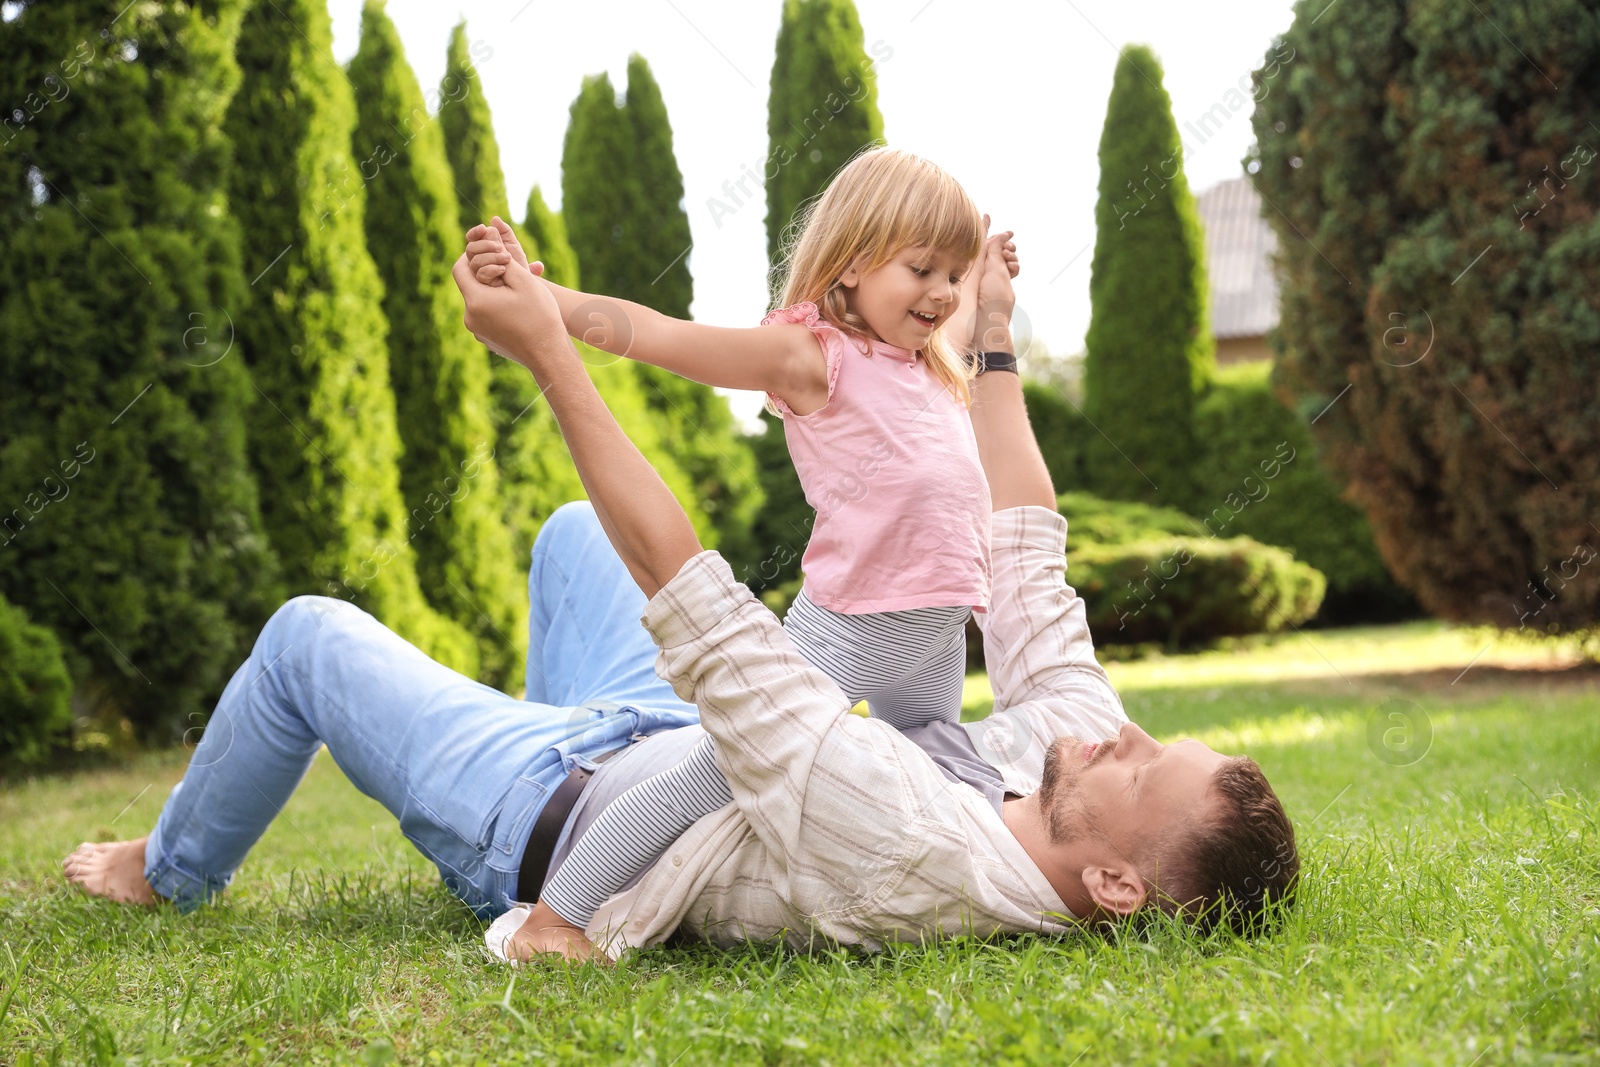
34 689
771 555
1152 574
1063 434
1444 162
1186 590
536 474
622 202
130 525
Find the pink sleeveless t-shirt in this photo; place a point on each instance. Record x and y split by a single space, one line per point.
891 466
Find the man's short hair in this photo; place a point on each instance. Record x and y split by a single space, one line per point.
1236 866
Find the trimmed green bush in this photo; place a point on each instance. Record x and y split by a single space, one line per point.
1444 160
1149 349
1152 574
1185 590
129 522
35 713
324 438
1095 521
448 472
822 108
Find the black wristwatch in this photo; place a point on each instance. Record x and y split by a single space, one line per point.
988 361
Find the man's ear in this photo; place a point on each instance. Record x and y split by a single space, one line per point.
1118 890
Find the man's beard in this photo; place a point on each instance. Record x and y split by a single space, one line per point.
1061 801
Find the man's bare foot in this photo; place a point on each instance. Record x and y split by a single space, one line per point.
545 932
114 870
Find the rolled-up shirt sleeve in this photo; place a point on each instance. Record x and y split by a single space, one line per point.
1047 683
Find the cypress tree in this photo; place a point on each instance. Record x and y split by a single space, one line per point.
1149 346
468 130
1439 246
448 472
130 526
544 232
699 427
324 438
536 474
599 190
659 240
822 107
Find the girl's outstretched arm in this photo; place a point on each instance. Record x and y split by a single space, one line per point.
644 521
785 360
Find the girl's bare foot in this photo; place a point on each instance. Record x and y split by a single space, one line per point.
113 869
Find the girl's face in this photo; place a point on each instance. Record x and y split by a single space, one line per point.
906 299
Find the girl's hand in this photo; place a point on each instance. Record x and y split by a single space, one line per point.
493 248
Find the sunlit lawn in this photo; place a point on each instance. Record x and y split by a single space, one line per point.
1451 912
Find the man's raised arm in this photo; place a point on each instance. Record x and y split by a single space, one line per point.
1047 682
645 522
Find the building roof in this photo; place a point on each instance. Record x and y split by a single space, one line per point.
1239 247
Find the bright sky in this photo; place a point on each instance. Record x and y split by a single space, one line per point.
1010 98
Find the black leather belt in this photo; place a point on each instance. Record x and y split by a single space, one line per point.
547 830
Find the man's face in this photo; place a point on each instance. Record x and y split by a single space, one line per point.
1125 792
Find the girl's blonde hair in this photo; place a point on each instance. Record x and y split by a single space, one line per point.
882 201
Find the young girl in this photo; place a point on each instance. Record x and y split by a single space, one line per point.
874 403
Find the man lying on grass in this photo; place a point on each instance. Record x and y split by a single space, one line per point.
1052 811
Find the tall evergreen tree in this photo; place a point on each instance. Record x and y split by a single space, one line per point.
1149 347
536 474
659 227
599 190
699 426
545 235
448 472
132 529
1433 177
324 436
822 107
622 199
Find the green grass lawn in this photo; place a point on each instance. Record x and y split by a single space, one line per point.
1450 912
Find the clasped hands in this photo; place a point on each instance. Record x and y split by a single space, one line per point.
512 312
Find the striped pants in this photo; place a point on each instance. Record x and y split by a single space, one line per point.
909 666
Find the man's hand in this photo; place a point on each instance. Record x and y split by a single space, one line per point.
518 319
996 298
493 248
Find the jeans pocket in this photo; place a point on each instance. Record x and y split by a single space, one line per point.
515 821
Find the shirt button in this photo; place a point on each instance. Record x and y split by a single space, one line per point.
677 861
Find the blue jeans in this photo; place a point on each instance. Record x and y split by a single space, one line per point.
465 768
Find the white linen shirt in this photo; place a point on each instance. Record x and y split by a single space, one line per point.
842 830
